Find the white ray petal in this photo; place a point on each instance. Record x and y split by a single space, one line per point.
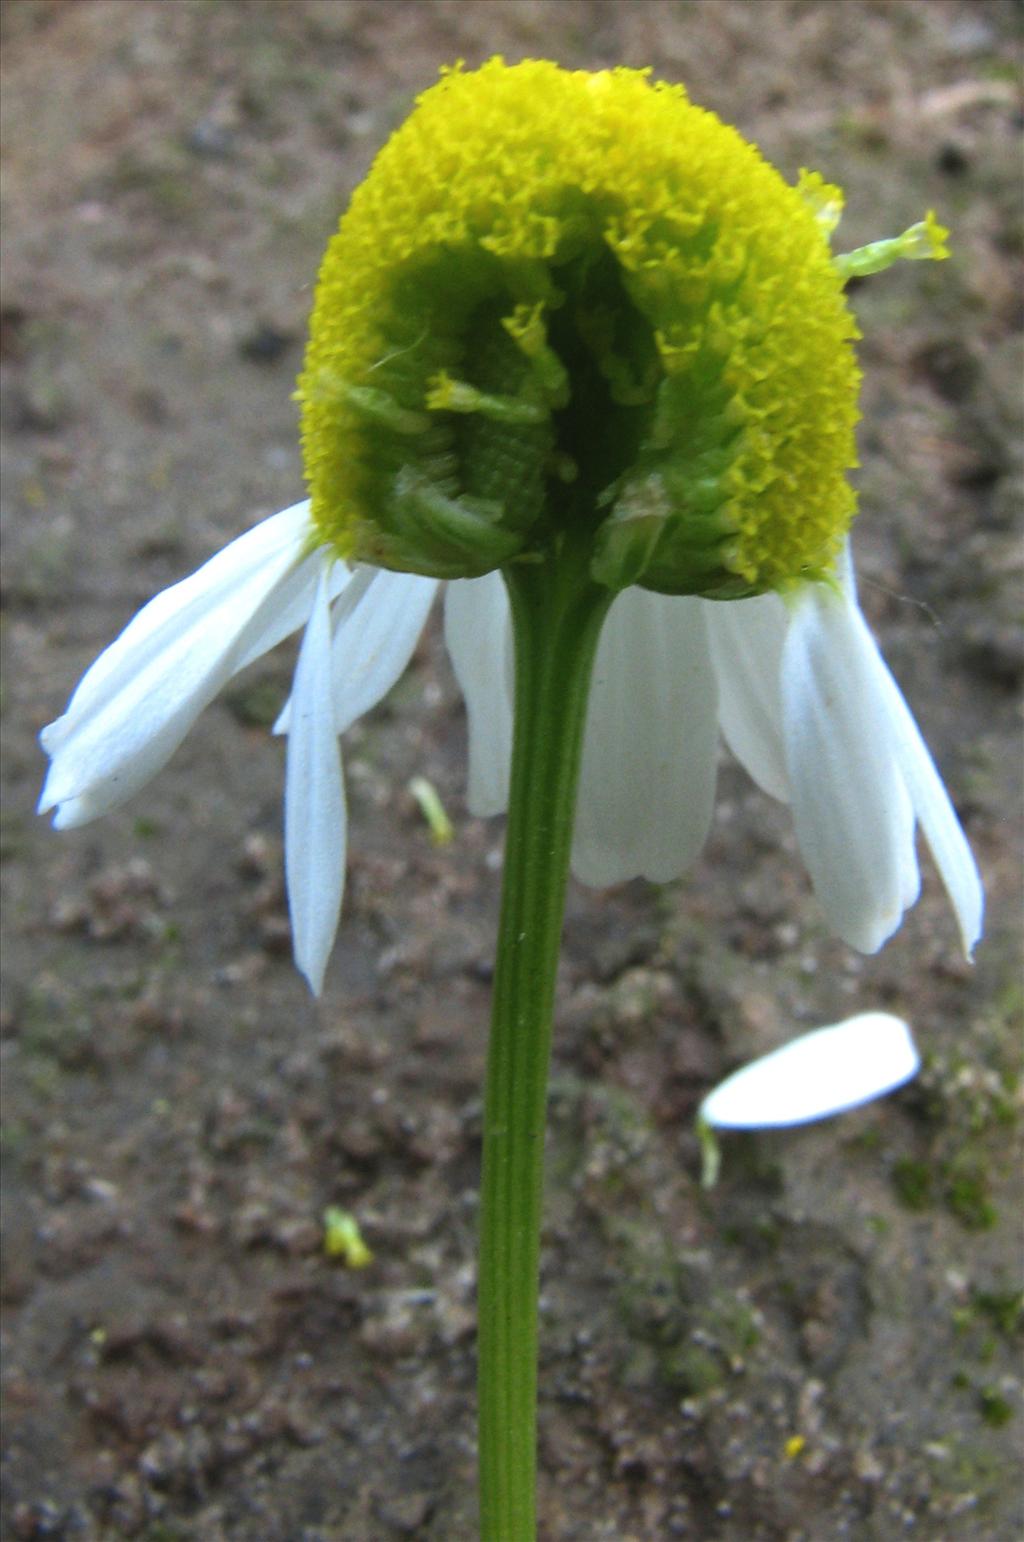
73 812
478 634
247 556
931 802
357 583
821 1073
293 603
376 625
375 642
138 700
910 881
853 815
314 800
647 782
746 638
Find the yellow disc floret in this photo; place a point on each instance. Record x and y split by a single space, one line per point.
577 297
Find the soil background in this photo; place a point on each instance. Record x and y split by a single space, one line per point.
827 1345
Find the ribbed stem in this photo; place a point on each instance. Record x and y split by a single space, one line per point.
557 612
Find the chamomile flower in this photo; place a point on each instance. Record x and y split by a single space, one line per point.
567 318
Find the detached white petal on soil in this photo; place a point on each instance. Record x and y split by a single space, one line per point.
821 1073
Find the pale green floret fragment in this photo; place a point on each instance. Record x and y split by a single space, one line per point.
447 395
923 242
824 199
710 1154
344 1240
433 810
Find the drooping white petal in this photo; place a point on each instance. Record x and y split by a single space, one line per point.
853 815
247 556
376 625
746 638
846 574
293 603
931 802
81 810
374 643
314 800
821 1073
647 781
478 633
357 583
138 700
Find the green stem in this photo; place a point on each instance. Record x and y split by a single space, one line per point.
557 612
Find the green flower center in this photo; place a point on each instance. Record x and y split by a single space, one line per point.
571 299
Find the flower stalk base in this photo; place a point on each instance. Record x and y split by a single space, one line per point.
557 613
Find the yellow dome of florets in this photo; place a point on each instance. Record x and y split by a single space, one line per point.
569 296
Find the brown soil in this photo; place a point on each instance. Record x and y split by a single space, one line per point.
825 1346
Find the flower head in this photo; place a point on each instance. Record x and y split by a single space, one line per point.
563 298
